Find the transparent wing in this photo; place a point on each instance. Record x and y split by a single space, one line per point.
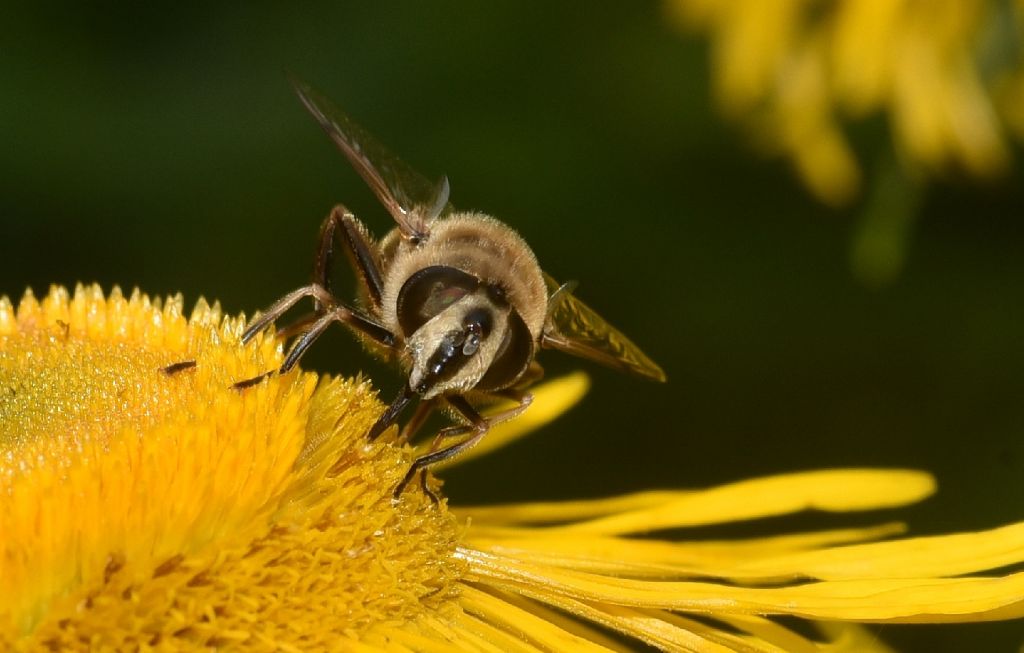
410 199
575 328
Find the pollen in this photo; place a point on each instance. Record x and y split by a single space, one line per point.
145 502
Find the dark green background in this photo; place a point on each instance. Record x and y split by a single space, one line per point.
162 147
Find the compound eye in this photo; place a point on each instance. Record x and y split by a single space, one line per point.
430 291
512 358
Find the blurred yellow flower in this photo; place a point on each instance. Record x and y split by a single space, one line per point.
949 75
153 508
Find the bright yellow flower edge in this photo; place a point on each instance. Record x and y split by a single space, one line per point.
142 510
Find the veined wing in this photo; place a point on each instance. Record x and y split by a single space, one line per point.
575 328
410 199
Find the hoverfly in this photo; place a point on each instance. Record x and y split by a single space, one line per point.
455 298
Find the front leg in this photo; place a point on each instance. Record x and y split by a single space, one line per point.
330 311
320 295
345 315
477 427
341 226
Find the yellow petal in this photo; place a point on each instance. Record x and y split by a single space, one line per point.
753 40
825 162
940 555
862 52
741 560
540 632
832 491
882 599
975 136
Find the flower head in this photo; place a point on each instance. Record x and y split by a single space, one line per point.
945 72
148 505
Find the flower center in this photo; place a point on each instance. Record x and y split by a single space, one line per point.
139 506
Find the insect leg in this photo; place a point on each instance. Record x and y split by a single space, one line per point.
336 313
288 331
342 314
391 413
343 227
174 368
522 399
306 339
320 294
477 428
423 411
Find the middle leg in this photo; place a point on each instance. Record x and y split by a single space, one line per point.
341 226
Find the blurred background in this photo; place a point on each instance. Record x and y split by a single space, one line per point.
859 304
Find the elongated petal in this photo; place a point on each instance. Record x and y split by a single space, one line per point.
831 491
881 599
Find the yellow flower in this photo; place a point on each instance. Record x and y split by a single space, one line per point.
153 508
944 71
